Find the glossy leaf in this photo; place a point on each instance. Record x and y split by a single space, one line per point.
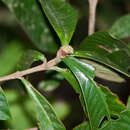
68 75
46 115
30 17
62 17
114 104
121 28
28 58
83 126
91 93
105 49
10 56
123 123
4 110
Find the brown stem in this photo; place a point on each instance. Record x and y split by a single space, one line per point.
92 16
19 74
62 52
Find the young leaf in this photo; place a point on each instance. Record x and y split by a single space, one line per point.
83 126
94 99
103 48
123 123
121 28
33 22
46 115
62 17
10 57
4 110
28 58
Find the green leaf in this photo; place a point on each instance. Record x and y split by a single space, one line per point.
46 115
114 104
123 123
30 17
62 17
94 99
103 48
28 58
4 110
128 103
10 57
68 75
121 28
83 126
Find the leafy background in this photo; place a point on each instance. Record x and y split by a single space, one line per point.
14 41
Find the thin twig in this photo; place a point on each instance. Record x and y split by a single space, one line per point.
42 67
62 52
92 16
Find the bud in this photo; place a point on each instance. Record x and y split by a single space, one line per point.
65 51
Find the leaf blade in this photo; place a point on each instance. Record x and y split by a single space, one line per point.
114 104
4 110
62 17
89 91
121 28
28 58
103 48
31 19
123 123
83 126
46 114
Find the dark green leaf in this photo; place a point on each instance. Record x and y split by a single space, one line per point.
103 48
123 123
4 110
83 126
114 104
33 22
46 115
91 93
68 75
121 28
10 57
28 58
62 17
